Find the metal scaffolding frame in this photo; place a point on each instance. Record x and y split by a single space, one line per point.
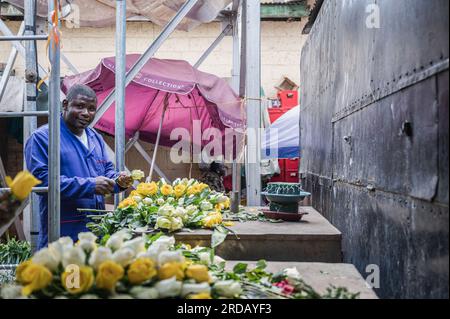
244 25
27 33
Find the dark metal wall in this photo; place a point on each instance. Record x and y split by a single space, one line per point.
374 138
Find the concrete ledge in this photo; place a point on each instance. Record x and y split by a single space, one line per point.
312 240
321 275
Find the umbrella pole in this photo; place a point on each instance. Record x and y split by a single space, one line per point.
155 151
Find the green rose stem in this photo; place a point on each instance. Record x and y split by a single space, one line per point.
83 210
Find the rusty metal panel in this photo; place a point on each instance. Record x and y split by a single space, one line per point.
374 137
392 144
406 238
442 84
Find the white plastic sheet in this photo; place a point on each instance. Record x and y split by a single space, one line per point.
101 13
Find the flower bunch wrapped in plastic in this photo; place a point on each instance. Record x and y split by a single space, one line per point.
171 207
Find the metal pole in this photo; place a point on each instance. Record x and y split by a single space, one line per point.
10 64
211 48
23 38
24 114
253 76
147 55
31 214
121 34
21 49
236 192
158 137
54 203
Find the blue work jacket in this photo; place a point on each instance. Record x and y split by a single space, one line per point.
79 168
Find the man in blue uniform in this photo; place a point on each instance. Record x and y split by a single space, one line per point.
87 175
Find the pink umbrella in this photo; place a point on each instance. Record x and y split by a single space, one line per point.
190 95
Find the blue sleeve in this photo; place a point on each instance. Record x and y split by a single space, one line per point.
36 156
110 171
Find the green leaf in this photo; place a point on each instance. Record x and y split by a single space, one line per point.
261 264
218 237
240 268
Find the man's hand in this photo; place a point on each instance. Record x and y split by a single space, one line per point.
124 180
104 186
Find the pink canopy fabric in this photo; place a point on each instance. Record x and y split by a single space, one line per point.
192 95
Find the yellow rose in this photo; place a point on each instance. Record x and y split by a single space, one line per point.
213 219
127 202
202 187
171 269
147 189
134 193
198 272
166 190
141 270
85 283
19 270
179 190
203 295
22 184
33 277
109 273
227 204
194 190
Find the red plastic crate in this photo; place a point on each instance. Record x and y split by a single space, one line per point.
289 99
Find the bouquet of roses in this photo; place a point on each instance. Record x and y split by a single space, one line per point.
148 268
185 203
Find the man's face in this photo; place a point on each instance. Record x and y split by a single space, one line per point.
79 112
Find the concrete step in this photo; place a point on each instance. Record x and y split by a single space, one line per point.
321 276
313 239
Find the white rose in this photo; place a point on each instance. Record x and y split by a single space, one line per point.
177 224
181 202
87 237
163 223
160 201
189 289
191 209
99 256
140 292
170 256
11 292
170 199
222 199
147 201
293 276
228 288
137 245
168 288
137 198
205 257
217 260
74 256
165 241
124 256
87 245
206 206
166 211
116 240
180 212
48 258
60 245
